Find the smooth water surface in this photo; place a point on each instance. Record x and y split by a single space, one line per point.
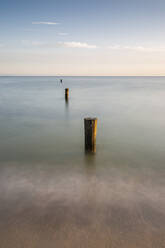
52 194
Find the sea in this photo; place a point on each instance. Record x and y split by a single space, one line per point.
53 193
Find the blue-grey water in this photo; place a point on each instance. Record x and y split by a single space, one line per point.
53 194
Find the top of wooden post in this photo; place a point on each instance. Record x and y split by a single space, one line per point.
90 119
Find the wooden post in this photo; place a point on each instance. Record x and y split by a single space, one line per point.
66 94
90 125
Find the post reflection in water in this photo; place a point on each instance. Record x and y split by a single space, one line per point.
67 109
66 103
90 161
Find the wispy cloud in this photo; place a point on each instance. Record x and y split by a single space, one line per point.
31 29
63 34
45 23
29 43
74 44
33 43
38 43
137 48
121 47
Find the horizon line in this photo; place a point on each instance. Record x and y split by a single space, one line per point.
82 75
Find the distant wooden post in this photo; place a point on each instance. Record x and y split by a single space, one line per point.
66 94
90 126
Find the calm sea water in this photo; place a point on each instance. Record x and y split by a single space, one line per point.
52 194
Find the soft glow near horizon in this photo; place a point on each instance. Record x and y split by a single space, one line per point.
96 38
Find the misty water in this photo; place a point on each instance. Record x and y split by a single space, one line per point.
53 194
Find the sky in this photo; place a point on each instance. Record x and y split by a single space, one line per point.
82 38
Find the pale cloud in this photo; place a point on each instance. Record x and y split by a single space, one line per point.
137 48
33 43
29 43
74 44
26 42
38 43
121 47
31 30
45 23
63 34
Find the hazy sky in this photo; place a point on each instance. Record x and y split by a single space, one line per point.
90 37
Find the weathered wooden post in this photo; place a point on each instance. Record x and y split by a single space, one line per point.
66 94
90 126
